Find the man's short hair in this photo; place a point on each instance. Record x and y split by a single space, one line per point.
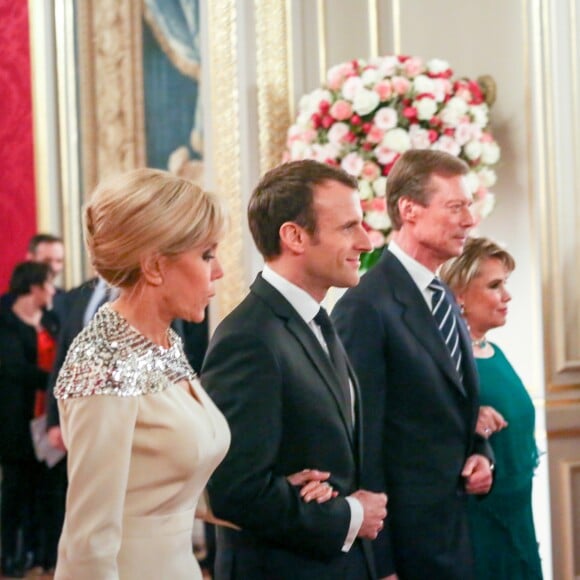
410 177
286 194
38 239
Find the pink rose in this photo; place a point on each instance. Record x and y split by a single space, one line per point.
384 90
337 133
384 155
341 110
400 85
379 204
370 171
375 135
413 66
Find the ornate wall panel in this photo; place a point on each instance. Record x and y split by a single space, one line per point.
223 63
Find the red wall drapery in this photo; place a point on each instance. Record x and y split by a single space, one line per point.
17 195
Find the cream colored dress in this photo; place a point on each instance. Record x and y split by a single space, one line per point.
142 446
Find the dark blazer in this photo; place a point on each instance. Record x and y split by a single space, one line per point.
20 378
419 419
269 375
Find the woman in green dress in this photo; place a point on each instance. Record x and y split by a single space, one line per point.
502 526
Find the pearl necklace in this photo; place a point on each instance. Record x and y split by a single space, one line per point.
481 343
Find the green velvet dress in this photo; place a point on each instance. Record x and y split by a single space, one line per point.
502 528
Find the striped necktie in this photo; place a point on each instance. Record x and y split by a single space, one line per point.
446 322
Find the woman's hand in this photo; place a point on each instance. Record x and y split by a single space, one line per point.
314 485
489 422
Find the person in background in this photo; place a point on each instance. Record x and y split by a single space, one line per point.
27 349
46 249
404 335
142 435
501 523
279 374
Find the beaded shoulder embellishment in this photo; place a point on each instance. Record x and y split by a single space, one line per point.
110 357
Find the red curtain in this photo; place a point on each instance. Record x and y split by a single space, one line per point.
17 198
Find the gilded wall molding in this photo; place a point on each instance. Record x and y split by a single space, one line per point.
273 55
111 88
223 66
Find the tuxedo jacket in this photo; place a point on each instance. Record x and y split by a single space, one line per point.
419 415
269 375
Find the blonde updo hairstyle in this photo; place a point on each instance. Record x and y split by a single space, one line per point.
459 272
142 212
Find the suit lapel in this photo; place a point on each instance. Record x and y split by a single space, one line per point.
310 345
419 319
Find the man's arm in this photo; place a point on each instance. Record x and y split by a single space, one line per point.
243 378
360 328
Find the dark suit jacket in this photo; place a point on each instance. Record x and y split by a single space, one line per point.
419 419
270 377
20 378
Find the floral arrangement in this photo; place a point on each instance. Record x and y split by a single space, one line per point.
369 113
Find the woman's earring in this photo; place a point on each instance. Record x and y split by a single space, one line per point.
462 309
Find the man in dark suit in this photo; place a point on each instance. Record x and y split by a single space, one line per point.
278 373
419 383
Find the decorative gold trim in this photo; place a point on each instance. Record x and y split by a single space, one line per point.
38 17
568 433
272 81
552 388
567 469
111 87
396 18
223 66
373 28
290 58
552 403
321 29
68 142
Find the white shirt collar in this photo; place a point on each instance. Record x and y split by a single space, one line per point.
420 274
299 299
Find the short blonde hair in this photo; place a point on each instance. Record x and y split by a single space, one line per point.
459 272
146 211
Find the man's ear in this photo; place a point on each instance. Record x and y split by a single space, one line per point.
152 269
407 209
292 237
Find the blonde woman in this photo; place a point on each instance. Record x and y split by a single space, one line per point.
142 435
501 523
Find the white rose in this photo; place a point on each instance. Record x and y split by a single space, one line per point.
386 118
473 150
337 132
472 182
480 114
323 152
440 89
423 84
380 186
447 144
483 207
365 101
351 86
419 137
453 112
437 66
426 108
365 191
378 220
490 153
388 66
487 177
370 77
352 164
397 140
298 150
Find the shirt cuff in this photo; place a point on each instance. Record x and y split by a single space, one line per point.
356 519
